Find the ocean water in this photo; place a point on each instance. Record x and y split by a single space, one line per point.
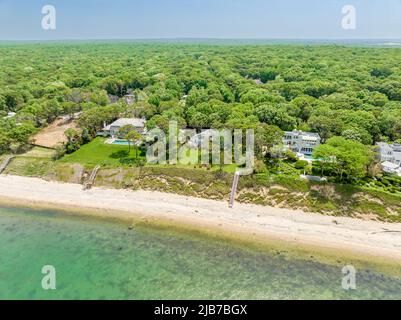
105 260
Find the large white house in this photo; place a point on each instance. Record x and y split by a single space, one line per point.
113 128
390 157
301 142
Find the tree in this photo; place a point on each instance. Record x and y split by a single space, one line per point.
304 106
132 136
100 98
318 88
266 137
324 122
268 75
70 108
93 119
199 121
381 72
276 115
357 134
21 134
73 140
390 123
347 159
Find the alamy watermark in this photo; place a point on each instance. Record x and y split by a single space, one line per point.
49 280
348 21
49 18
349 280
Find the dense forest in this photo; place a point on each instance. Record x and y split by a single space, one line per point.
336 91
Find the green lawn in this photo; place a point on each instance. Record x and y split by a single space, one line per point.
98 153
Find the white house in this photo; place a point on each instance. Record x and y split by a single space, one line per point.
390 157
301 142
113 128
10 115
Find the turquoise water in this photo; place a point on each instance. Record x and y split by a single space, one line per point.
121 142
105 260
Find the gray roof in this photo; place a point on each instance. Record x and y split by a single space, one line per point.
396 147
311 135
390 165
386 148
136 122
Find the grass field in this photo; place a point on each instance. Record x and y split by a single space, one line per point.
109 155
98 153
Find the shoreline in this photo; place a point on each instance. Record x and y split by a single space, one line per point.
311 234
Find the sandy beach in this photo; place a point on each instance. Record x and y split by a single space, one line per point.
340 233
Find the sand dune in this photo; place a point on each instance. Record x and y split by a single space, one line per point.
368 237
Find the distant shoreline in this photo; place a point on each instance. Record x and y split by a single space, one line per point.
313 234
373 43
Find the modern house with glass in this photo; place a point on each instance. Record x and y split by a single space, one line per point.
302 143
390 157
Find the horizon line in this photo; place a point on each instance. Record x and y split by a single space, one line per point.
203 39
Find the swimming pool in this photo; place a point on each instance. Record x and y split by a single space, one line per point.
121 142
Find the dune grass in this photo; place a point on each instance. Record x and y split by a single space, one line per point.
39 152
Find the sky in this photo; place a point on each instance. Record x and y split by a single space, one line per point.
225 19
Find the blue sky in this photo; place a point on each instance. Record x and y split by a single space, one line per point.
147 19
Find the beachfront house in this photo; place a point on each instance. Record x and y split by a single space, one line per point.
302 143
390 157
113 128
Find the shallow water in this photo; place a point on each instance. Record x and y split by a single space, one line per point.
103 260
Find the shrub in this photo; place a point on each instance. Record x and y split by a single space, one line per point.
119 154
301 164
132 161
59 153
260 167
291 156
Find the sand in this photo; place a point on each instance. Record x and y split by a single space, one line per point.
345 234
53 135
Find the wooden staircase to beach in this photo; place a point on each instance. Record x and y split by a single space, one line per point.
88 184
5 163
234 189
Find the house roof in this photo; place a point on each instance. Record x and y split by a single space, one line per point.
390 149
384 146
390 165
397 156
304 135
136 122
396 147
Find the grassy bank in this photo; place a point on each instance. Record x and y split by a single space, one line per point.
263 189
